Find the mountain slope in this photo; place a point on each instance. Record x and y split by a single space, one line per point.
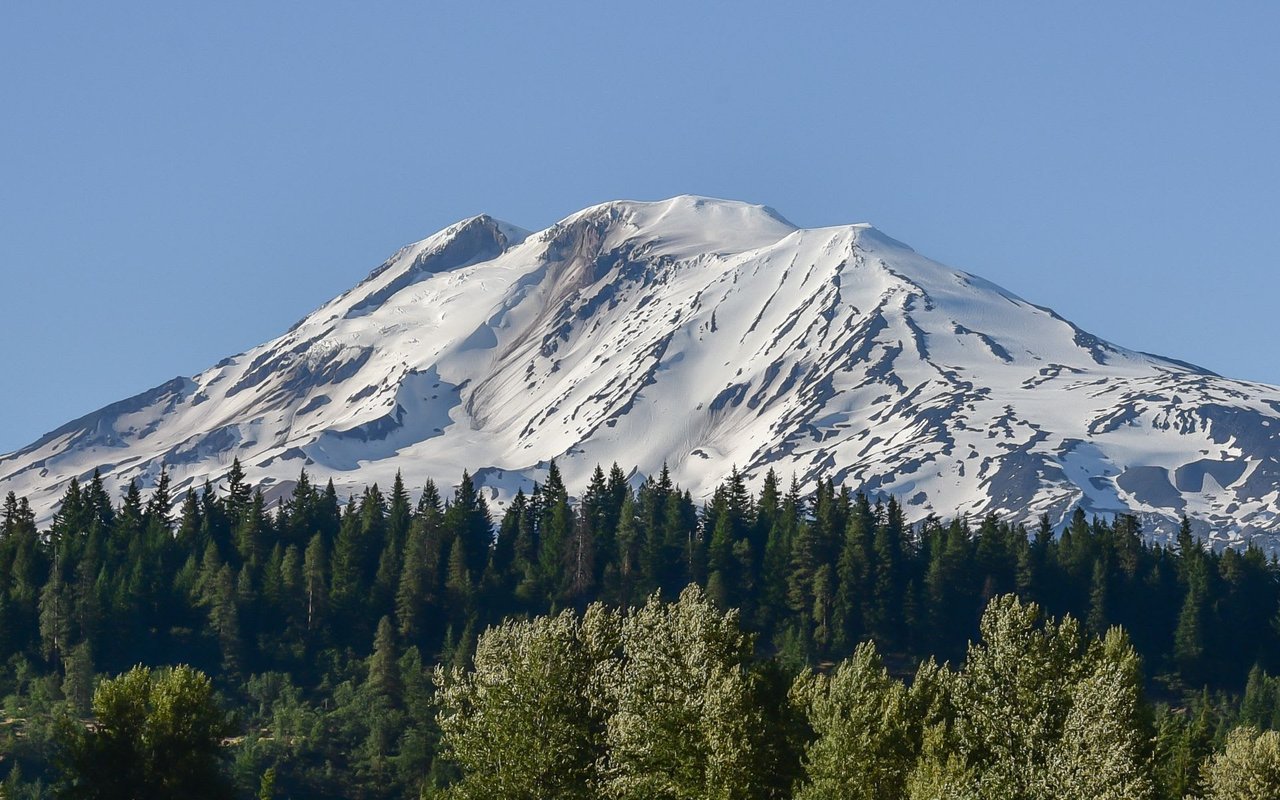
706 334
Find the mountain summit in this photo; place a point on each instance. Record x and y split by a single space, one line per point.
705 334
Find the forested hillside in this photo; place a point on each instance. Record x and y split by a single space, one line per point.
322 620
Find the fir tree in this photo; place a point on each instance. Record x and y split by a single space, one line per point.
384 671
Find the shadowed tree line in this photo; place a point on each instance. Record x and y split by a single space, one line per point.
321 619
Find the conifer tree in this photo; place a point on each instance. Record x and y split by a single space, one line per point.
348 588
55 618
412 592
580 560
189 523
69 521
1099 618
556 529
315 570
629 553
459 584
384 670
853 570
77 686
1189 637
239 493
775 572
224 619
468 518
888 588
156 516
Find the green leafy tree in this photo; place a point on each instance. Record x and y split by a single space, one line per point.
1248 768
528 721
1102 751
157 735
1041 714
861 723
683 724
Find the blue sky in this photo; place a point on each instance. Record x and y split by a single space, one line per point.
178 184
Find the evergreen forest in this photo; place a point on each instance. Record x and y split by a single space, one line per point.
621 641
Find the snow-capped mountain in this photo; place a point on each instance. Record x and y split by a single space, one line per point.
705 334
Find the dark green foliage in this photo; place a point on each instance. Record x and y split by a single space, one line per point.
320 621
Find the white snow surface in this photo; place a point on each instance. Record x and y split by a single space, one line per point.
706 334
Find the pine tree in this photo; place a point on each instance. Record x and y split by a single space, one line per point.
579 565
412 592
459 585
1189 637
384 670
315 571
251 532
77 686
509 555
224 619
55 618
853 571
556 529
468 518
630 555
69 521
1099 612
189 523
239 493
348 588
775 571
291 581
889 584
156 516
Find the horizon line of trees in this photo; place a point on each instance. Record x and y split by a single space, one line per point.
284 607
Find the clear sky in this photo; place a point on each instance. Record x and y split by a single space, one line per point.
180 183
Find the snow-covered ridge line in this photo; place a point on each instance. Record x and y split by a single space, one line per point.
705 334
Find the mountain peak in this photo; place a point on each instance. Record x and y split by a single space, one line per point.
684 225
469 241
703 334
688 205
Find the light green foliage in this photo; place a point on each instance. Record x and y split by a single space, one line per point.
158 734
1012 698
683 722
1102 751
657 704
527 722
267 786
859 716
1040 715
940 774
1247 769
